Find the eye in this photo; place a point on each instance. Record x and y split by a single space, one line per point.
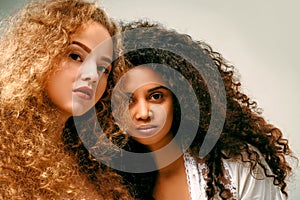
102 69
76 57
156 96
130 100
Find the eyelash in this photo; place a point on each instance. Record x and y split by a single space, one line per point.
131 100
103 69
161 95
73 55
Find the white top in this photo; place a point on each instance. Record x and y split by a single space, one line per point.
243 184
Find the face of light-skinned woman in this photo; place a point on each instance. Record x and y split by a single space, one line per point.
81 78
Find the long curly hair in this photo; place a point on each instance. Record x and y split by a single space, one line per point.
35 163
245 136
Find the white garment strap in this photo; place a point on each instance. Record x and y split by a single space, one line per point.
196 182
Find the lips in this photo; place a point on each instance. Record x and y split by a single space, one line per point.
147 129
84 92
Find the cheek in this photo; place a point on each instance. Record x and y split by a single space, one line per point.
100 88
53 85
169 112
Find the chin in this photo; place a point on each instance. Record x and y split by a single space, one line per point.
78 110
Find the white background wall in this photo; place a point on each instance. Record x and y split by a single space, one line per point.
261 38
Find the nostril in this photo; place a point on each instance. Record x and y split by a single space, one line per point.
87 78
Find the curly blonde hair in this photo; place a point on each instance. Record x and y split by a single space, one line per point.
34 162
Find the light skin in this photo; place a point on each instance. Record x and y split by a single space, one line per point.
81 78
151 105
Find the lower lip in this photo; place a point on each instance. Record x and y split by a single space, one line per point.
147 131
83 96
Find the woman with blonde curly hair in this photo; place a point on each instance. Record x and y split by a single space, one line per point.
45 79
199 136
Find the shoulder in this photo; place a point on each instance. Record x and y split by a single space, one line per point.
252 164
251 180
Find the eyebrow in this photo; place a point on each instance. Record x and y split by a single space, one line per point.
87 49
157 88
106 59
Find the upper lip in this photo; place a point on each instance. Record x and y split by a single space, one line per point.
84 89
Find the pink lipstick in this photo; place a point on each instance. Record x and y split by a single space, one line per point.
84 92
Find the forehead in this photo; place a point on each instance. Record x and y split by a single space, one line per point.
92 35
141 76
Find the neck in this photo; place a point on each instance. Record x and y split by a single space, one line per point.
172 169
169 158
63 117
57 120
162 143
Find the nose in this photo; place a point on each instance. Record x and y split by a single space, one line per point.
89 77
142 111
88 72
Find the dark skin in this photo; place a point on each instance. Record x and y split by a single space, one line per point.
151 105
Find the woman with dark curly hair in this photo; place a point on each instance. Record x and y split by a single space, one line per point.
44 80
181 103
